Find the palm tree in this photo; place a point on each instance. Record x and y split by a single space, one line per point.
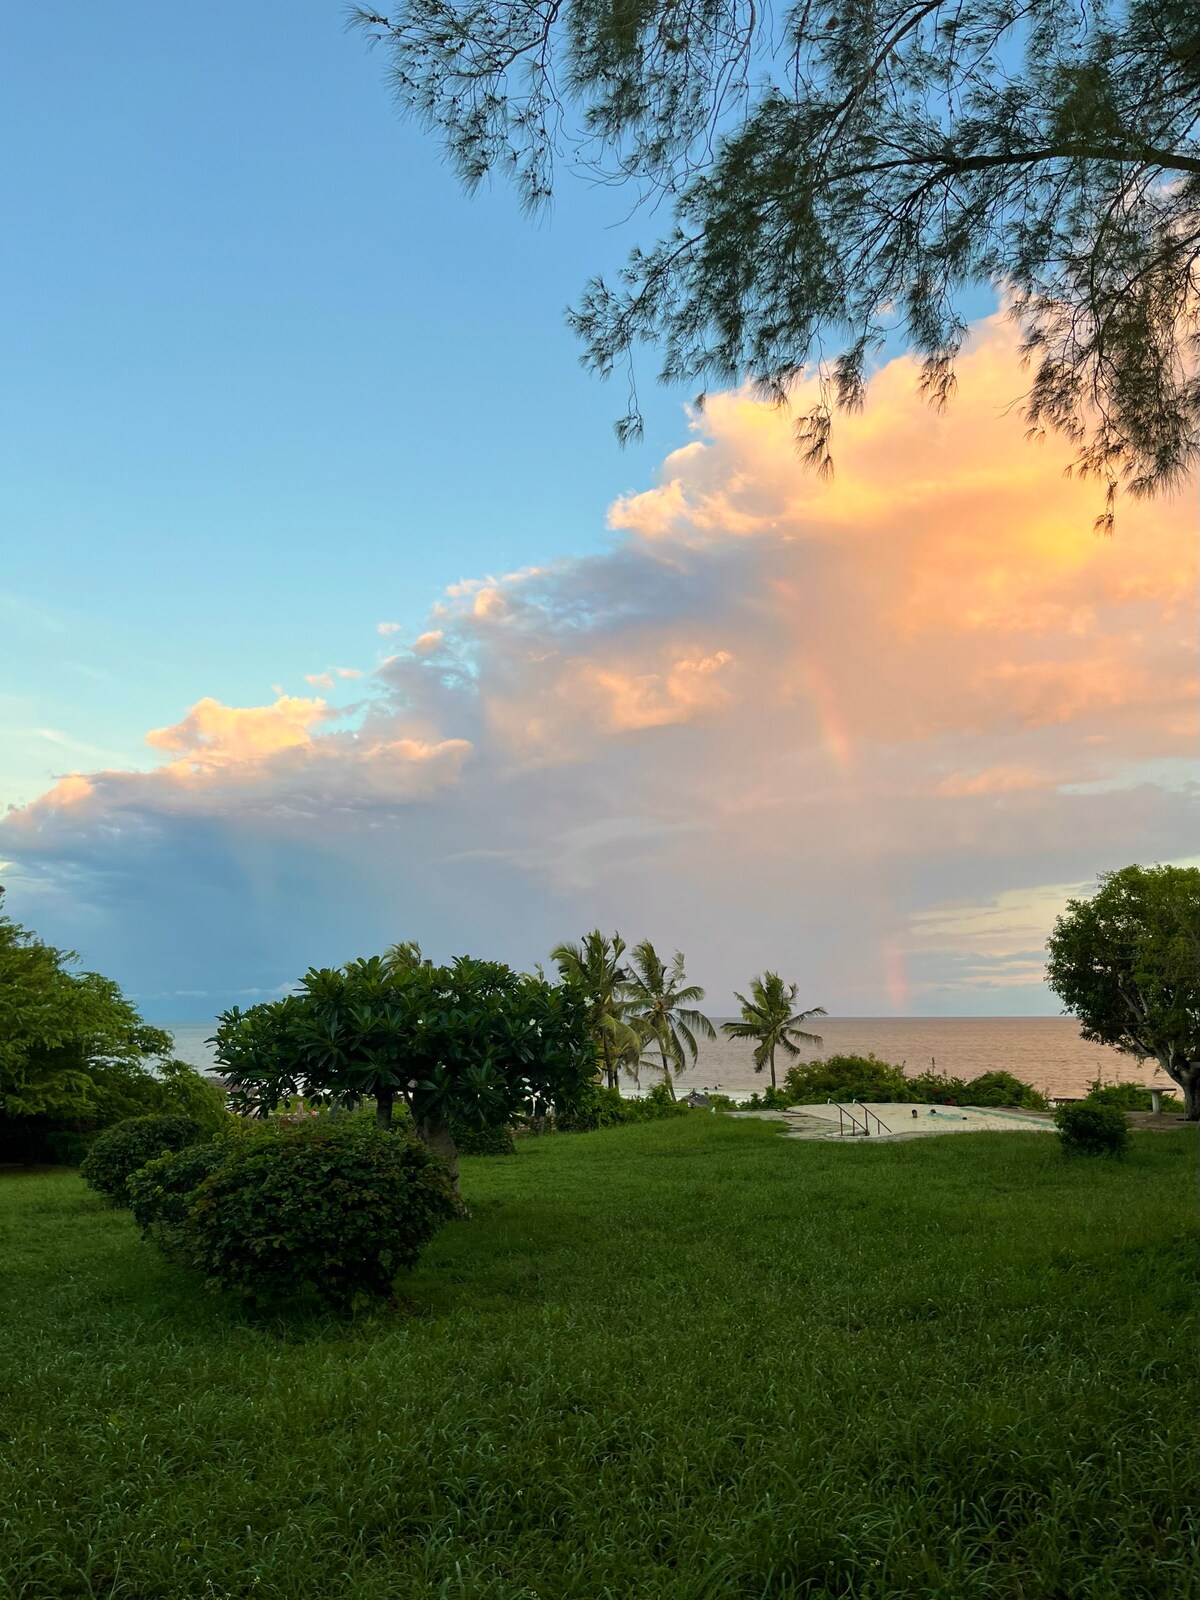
404 956
658 999
595 965
768 1018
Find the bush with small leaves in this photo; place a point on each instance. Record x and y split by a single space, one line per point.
769 1100
1128 1096
844 1078
1088 1129
473 1140
330 1210
600 1107
161 1193
992 1089
597 1107
653 1106
934 1088
122 1150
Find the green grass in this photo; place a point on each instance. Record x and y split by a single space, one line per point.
688 1360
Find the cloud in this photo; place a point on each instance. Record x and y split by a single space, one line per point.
864 730
212 734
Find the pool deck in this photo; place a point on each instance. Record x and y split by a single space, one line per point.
902 1121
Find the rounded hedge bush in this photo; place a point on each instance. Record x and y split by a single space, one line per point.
123 1149
161 1193
331 1209
1089 1129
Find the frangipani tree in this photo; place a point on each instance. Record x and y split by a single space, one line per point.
473 1042
768 1019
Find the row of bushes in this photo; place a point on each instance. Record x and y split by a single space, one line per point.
328 1209
848 1078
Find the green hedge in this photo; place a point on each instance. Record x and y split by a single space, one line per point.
162 1192
1089 1129
121 1151
330 1210
847 1078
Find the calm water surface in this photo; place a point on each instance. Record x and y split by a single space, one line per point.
1044 1051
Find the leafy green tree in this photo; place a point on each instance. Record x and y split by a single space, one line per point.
841 171
1127 964
845 1078
768 1019
660 1002
75 1056
472 1042
594 967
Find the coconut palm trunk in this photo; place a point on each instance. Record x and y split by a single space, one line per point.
666 1072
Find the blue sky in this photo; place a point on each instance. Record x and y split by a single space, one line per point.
264 364
270 380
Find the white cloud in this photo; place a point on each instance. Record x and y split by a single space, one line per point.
838 728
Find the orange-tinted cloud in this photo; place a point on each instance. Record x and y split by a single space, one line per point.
212 734
821 725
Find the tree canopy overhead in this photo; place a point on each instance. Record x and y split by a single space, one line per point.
841 171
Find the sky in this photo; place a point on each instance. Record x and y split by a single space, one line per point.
331 613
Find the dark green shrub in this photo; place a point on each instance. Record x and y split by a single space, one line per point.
936 1089
769 1100
844 1078
1002 1089
600 1107
486 1141
161 1192
119 1152
652 1106
1088 1129
1128 1096
596 1107
331 1209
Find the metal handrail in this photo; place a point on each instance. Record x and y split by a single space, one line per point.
864 1128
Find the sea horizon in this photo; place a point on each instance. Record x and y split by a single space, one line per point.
1047 1052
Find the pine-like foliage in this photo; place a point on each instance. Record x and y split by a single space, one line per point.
842 171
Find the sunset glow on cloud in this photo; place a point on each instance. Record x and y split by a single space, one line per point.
869 729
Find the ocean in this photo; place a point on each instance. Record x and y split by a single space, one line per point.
1046 1052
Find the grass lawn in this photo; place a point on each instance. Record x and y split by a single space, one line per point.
687 1360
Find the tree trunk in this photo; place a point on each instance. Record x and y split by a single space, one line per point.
1187 1076
771 1059
435 1132
383 1107
667 1075
610 1072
